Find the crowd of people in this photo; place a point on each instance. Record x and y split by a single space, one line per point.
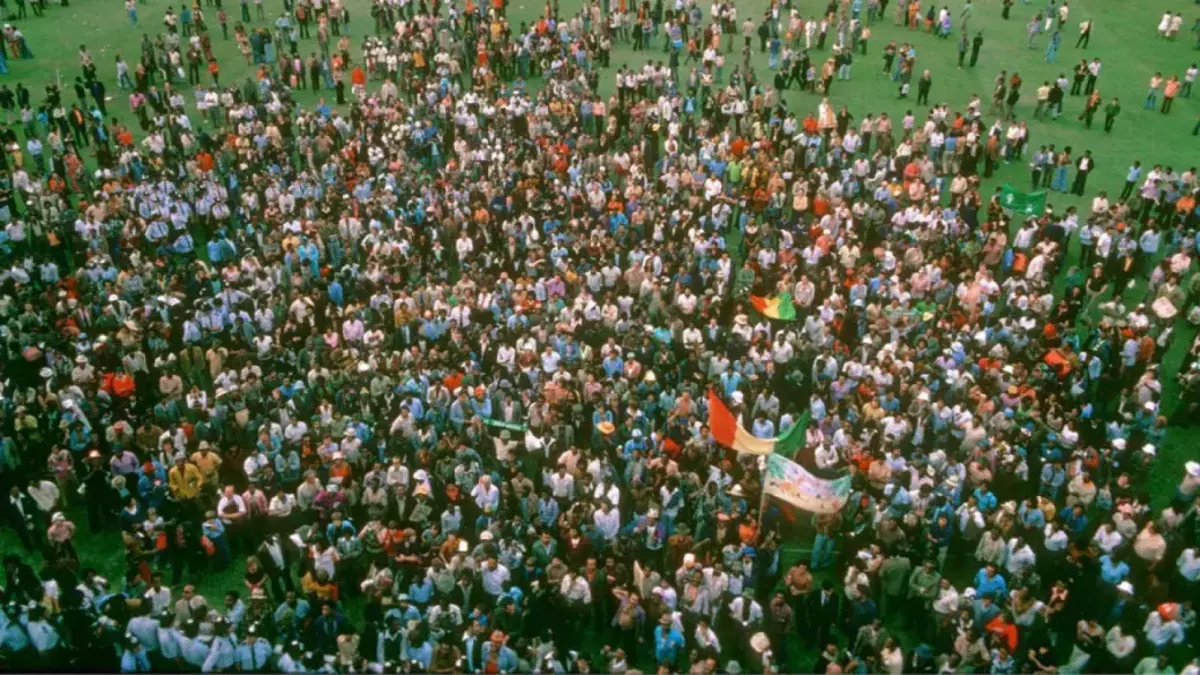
424 377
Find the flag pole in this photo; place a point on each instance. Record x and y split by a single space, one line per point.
762 500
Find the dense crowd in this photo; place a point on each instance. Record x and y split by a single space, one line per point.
429 370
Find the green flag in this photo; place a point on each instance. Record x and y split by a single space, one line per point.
1027 203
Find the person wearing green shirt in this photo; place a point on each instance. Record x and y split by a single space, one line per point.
1110 114
893 577
1154 665
923 590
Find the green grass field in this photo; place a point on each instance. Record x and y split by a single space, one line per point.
1124 37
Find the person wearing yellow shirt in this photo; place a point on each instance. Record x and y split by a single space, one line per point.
185 481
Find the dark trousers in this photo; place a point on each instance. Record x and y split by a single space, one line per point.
1080 183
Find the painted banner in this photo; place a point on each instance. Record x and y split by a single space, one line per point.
787 480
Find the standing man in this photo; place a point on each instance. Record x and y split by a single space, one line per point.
1084 165
1110 114
923 86
1093 74
976 45
1085 34
1043 97
1037 167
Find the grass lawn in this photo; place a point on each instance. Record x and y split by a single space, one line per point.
1124 36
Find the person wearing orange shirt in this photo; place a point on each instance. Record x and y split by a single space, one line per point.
1170 91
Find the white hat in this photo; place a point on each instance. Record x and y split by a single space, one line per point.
486 535
81 359
1149 449
760 642
1125 587
1192 469
1119 443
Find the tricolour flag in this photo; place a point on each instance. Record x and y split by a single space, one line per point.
1026 203
726 430
778 307
787 480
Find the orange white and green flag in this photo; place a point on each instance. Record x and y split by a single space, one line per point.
726 431
778 307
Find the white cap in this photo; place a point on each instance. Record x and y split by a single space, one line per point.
1125 587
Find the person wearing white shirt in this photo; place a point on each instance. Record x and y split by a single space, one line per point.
706 637
666 594
487 496
1020 556
606 490
158 595
1107 538
1189 565
255 463
1056 538
562 484
45 494
1162 632
231 506
826 457
946 603
493 576
745 610
575 589
281 505
608 522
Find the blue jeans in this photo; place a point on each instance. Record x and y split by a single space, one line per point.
221 555
1151 100
822 553
1059 182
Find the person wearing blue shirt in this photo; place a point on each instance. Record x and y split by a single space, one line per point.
254 653
989 582
984 498
506 658
668 642
336 293
1075 520
763 427
1113 571
135 659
